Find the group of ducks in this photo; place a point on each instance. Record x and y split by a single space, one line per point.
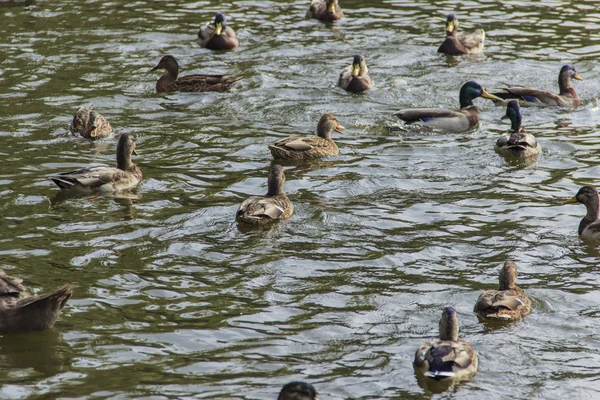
447 357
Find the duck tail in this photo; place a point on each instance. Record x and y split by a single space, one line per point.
439 375
63 182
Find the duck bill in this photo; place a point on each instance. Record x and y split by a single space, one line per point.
135 152
572 200
339 129
577 76
450 27
218 28
355 69
331 7
155 68
486 95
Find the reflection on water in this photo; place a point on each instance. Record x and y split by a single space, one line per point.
171 298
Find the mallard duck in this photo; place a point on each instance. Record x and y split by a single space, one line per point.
528 97
448 357
355 78
272 206
458 43
325 10
90 124
298 391
589 227
190 83
20 311
450 120
509 302
516 143
105 179
217 35
309 147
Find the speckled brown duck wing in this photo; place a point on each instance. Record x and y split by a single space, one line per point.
90 124
11 289
205 83
263 209
303 148
531 97
503 304
446 359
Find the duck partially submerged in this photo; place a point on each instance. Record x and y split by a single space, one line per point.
90 124
105 179
516 143
171 82
325 10
450 120
217 35
528 97
355 78
272 206
589 227
309 147
509 302
458 43
20 311
298 391
448 357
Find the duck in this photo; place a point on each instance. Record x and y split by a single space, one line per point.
589 227
516 143
530 97
448 357
355 78
455 121
274 205
103 179
509 302
90 124
20 311
170 82
309 147
458 43
217 35
325 10
298 391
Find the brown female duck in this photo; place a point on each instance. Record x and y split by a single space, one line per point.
217 35
20 311
325 10
355 78
274 205
298 391
458 43
509 302
190 83
309 147
90 124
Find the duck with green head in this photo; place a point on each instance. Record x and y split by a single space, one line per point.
355 78
516 143
298 391
589 227
447 120
528 97
325 10
217 35
458 43
447 357
172 82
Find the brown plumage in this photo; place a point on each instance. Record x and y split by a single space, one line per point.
458 43
509 302
217 35
272 206
325 10
90 124
355 78
309 147
298 391
170 82
20 311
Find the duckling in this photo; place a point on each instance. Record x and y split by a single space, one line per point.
450 120
298 391
190 83
258 210
460 43
516 143
355 78
589 227
448 357
90 124
105 179
509 302
20 311
325 10
528 97
309 147
217 35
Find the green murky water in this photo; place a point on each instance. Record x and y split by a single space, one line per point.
173 301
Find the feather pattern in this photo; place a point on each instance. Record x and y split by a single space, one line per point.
90 124
355 78
517 142
217 35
